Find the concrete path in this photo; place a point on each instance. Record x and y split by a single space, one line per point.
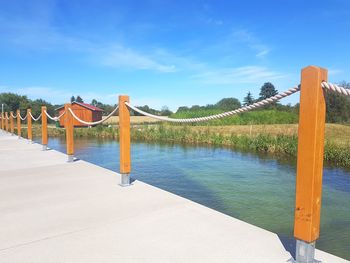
53 211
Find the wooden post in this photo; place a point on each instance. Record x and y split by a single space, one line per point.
310 156
69 125
6 122
29 124
44 137
19 123
124 140
11 123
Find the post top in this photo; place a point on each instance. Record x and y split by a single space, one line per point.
313 67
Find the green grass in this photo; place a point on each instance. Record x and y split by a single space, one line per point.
252 117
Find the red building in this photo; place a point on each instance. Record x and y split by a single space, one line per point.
83 111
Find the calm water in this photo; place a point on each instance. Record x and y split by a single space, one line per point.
257 190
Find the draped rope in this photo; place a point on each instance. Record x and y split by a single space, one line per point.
335 88
220 115
54 118
35 119
96 122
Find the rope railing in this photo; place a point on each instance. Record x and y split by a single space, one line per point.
220 115
311 132
335 88
54 118
35 119
96 122
24 118
13 116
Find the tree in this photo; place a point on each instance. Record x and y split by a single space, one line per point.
13 102
72 99
94 102
228 104
165 111
79 99
247 100
182 109
267 90
338 106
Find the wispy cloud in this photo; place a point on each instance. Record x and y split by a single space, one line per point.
252 41
121 57
334 71
239 75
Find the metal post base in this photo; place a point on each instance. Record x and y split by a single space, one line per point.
305 252
44 147
70 158
125 180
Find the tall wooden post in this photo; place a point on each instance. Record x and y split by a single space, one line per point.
29 125
19 123
310 162
11 123
124 140
69 125
6 122
44 137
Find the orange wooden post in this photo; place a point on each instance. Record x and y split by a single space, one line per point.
44 137
29 125
11 123
19 123
69 125
124 140
310 162
6 122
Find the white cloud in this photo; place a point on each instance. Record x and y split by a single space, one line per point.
253 42
333 72
121 57
247 74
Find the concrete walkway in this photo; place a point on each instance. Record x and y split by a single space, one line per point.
53 211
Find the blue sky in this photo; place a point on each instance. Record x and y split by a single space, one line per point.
170 53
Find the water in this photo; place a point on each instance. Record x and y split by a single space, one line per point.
257 190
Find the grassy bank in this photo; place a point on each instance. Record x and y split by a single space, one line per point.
272 116
278 140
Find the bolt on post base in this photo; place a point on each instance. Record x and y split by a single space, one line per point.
70 158
44 147
125 180
305 252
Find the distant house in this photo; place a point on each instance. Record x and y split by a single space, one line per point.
83 111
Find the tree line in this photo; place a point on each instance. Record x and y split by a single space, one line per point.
338 106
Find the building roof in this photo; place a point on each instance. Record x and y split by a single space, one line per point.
85 105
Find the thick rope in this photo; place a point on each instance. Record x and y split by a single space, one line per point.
96 122
24 118
54 118
13 116
335 88
35 119
220 115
